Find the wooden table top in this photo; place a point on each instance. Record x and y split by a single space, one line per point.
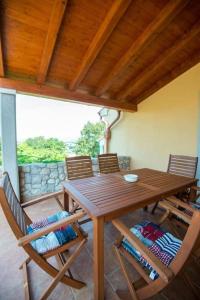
110 196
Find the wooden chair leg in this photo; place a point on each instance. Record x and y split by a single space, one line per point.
63 261
164 217
124 271
59 261
27 261
71 204
145 208
66 266
154 208
74 208
25 279
59 203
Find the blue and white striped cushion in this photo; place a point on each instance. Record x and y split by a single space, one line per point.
165 248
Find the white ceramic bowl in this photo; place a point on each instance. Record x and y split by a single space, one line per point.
131 177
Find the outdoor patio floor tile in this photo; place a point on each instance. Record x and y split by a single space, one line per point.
11 256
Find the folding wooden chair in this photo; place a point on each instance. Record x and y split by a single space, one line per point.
78 167
108 163
147 287
19 220
183 166
188 207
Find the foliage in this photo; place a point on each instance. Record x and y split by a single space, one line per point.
39 149
88 143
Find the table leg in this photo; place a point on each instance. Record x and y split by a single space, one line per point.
98 252
66 200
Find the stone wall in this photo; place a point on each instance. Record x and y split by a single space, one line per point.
40 178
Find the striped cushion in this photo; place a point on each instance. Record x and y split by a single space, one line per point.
195 205
165 247
54 239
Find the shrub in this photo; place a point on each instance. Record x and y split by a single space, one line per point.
39 149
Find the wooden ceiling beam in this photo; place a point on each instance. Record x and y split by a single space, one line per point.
2 70
177 71
169 12
63 94
52 33
158 63
111 19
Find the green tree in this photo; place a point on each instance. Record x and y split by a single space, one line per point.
39 149
88 143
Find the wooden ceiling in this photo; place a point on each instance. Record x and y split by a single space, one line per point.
113 53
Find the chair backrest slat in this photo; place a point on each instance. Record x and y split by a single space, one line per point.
79 167
108 163
11 205
182 165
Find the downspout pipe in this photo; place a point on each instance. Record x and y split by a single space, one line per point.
108 130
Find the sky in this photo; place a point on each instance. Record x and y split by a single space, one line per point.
52 118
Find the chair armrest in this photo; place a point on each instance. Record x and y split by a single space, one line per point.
180 203
196 188
165 272
40 199
68 220
168 205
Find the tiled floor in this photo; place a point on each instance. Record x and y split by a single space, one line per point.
11 256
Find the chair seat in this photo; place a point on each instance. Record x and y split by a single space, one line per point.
54 239
195 205
161 243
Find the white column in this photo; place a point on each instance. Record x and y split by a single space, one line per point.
8 135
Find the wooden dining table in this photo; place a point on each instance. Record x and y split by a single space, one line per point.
109 196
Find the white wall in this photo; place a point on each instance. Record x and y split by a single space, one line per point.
166 122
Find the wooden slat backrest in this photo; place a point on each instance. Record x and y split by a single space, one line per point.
108 163
79 167
11 206
182 165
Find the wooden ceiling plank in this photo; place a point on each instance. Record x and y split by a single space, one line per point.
177 71
2 71
64 94
167 14
158 63
52 33
111 19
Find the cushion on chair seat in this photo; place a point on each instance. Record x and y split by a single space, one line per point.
54 239
162 244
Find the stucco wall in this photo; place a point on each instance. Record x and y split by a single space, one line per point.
166 122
